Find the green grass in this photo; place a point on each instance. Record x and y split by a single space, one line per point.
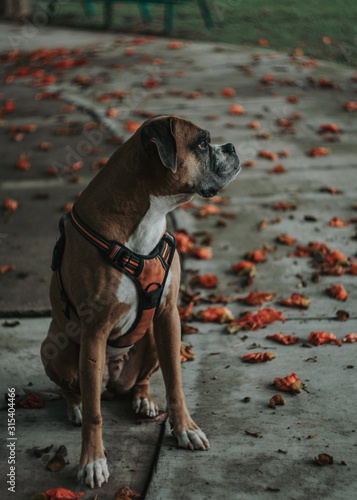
286 24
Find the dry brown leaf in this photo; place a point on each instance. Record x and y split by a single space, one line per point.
253 433
324 459
58 462
38 453
342 315
277 400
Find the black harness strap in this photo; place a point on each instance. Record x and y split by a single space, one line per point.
117 254
56 267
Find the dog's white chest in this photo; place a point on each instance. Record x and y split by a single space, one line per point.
129 294
143 241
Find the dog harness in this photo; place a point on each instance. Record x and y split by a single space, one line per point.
148 272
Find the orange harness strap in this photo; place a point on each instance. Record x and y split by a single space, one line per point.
148 272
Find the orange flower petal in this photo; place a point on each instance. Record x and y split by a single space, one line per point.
236 109
126 492
329 127
258 357
253 322
258 255
254 125
285 239
296 300
183 241
208 280
175 44
23 163
268 155
257 298
350 337
249 163
10 205
263 42
209 209
285 205
350 106
292 99
132 126
244 267
228 92
352 269
319 151
290 383
216 314
62 494
267 79
337 292
283 339
201 252
6 269
338 222
318 338
278 169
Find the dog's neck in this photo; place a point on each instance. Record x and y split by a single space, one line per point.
152 226
135 218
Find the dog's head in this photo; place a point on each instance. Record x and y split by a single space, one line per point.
190 163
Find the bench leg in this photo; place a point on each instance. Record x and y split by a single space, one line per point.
145 11
206 14
88 6
108 6
169 17
52 10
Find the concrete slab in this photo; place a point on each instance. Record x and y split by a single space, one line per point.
239 465
279 461
256 451
131 447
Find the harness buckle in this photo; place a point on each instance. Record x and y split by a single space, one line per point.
125 259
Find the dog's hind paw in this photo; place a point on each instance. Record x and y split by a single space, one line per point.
94 473
145 406
193 439
77 415
74 412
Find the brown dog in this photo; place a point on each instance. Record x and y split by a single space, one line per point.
88 347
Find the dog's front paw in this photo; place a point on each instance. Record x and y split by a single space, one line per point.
146 406
94 473
192 439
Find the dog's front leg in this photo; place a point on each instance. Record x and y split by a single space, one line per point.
93 467
167 331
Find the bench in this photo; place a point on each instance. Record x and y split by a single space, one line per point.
144 6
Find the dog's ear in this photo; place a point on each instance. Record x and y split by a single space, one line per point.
161 133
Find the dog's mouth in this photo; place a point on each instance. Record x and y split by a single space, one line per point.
218 182
208 192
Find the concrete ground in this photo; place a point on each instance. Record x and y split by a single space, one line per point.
256 451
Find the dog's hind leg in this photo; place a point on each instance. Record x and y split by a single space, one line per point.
60 357
146 362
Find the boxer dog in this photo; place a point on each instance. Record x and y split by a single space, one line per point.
118 226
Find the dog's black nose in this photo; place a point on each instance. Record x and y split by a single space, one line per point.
228 148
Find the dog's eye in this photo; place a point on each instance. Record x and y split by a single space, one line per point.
203 145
